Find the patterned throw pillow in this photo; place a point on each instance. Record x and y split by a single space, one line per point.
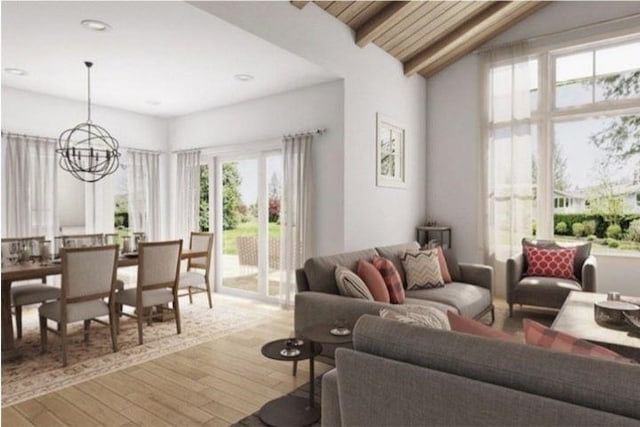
350 285
541 336
418 315
551 262
373 280
422 269
582 252
391 279
473 327
444 269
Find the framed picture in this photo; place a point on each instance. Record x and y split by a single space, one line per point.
390 153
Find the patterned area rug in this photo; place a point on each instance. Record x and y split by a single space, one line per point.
36 374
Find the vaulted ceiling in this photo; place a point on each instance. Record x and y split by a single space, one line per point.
427 36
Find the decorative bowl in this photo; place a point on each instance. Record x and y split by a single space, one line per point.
611 313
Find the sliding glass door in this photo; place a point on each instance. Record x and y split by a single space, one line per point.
248 227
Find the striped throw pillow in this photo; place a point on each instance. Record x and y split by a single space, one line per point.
422 269
350 285
391 279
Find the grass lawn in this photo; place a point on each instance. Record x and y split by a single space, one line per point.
245 229
626 246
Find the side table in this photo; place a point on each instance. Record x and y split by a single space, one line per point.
291 410
426 230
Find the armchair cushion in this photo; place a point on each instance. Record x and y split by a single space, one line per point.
543 291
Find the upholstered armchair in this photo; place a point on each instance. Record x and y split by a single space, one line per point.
545 291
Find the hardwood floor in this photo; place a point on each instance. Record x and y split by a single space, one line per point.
212 384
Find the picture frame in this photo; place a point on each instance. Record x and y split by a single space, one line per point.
390 153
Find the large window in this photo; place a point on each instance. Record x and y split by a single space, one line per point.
591 111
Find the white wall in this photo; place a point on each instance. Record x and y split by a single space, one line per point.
373 82
47 116
454 136
269 118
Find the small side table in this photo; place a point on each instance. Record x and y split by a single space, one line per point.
291 410
426 230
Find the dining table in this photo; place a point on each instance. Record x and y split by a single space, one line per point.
36 270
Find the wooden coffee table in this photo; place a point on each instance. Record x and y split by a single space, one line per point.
577 318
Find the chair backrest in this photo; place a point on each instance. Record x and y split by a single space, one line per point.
201 242
158 265
88 273
82 240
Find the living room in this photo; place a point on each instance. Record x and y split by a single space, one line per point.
307 76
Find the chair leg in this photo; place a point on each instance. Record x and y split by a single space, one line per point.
209 292
63 338
295 367
87 325
510 310
493 315
140 318
176 312
43 334
112 325
148 312
18 321
190 296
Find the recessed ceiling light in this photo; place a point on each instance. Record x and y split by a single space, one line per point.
152 102
15 71
95 25
243 77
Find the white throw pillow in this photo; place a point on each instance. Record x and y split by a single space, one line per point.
419 315
351 285
422 269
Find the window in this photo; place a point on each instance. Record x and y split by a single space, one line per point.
121 199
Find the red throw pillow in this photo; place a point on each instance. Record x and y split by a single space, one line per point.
391 279
473 327
444 270
374 281
541 336
551 262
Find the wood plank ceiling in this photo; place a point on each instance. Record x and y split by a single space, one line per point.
427 36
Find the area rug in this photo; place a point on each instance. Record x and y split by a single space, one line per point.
36 374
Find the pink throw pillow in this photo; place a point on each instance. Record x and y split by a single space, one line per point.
391 279
551 262
541 336
444 270
374 281
473 327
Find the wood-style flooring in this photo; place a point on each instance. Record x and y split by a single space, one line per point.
212 384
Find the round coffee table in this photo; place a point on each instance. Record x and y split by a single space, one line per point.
321 334
292 410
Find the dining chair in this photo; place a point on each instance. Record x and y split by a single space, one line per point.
158 276
88 276
196 278
29 293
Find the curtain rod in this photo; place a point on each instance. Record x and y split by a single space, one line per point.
49 139
559 33
318 131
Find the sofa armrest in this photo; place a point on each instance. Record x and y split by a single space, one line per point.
330 400
477 274
589 270
301 280
515 270
313 308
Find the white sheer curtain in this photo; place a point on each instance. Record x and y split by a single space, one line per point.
144 203
29 173
296 218
188 194
509 153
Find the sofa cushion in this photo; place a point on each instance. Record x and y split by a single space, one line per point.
351 285
419 315
422 269
550 262
473 327
469 300
394 253
320 270
452 265
444 269
541 336
439 305
391 279
374 281
544 291
582 253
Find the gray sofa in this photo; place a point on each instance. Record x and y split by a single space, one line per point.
318 300
404 375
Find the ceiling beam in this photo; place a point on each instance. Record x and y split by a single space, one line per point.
468 36
377 25
299 4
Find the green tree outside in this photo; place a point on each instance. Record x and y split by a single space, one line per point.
231 198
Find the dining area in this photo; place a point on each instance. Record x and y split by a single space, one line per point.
76 278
